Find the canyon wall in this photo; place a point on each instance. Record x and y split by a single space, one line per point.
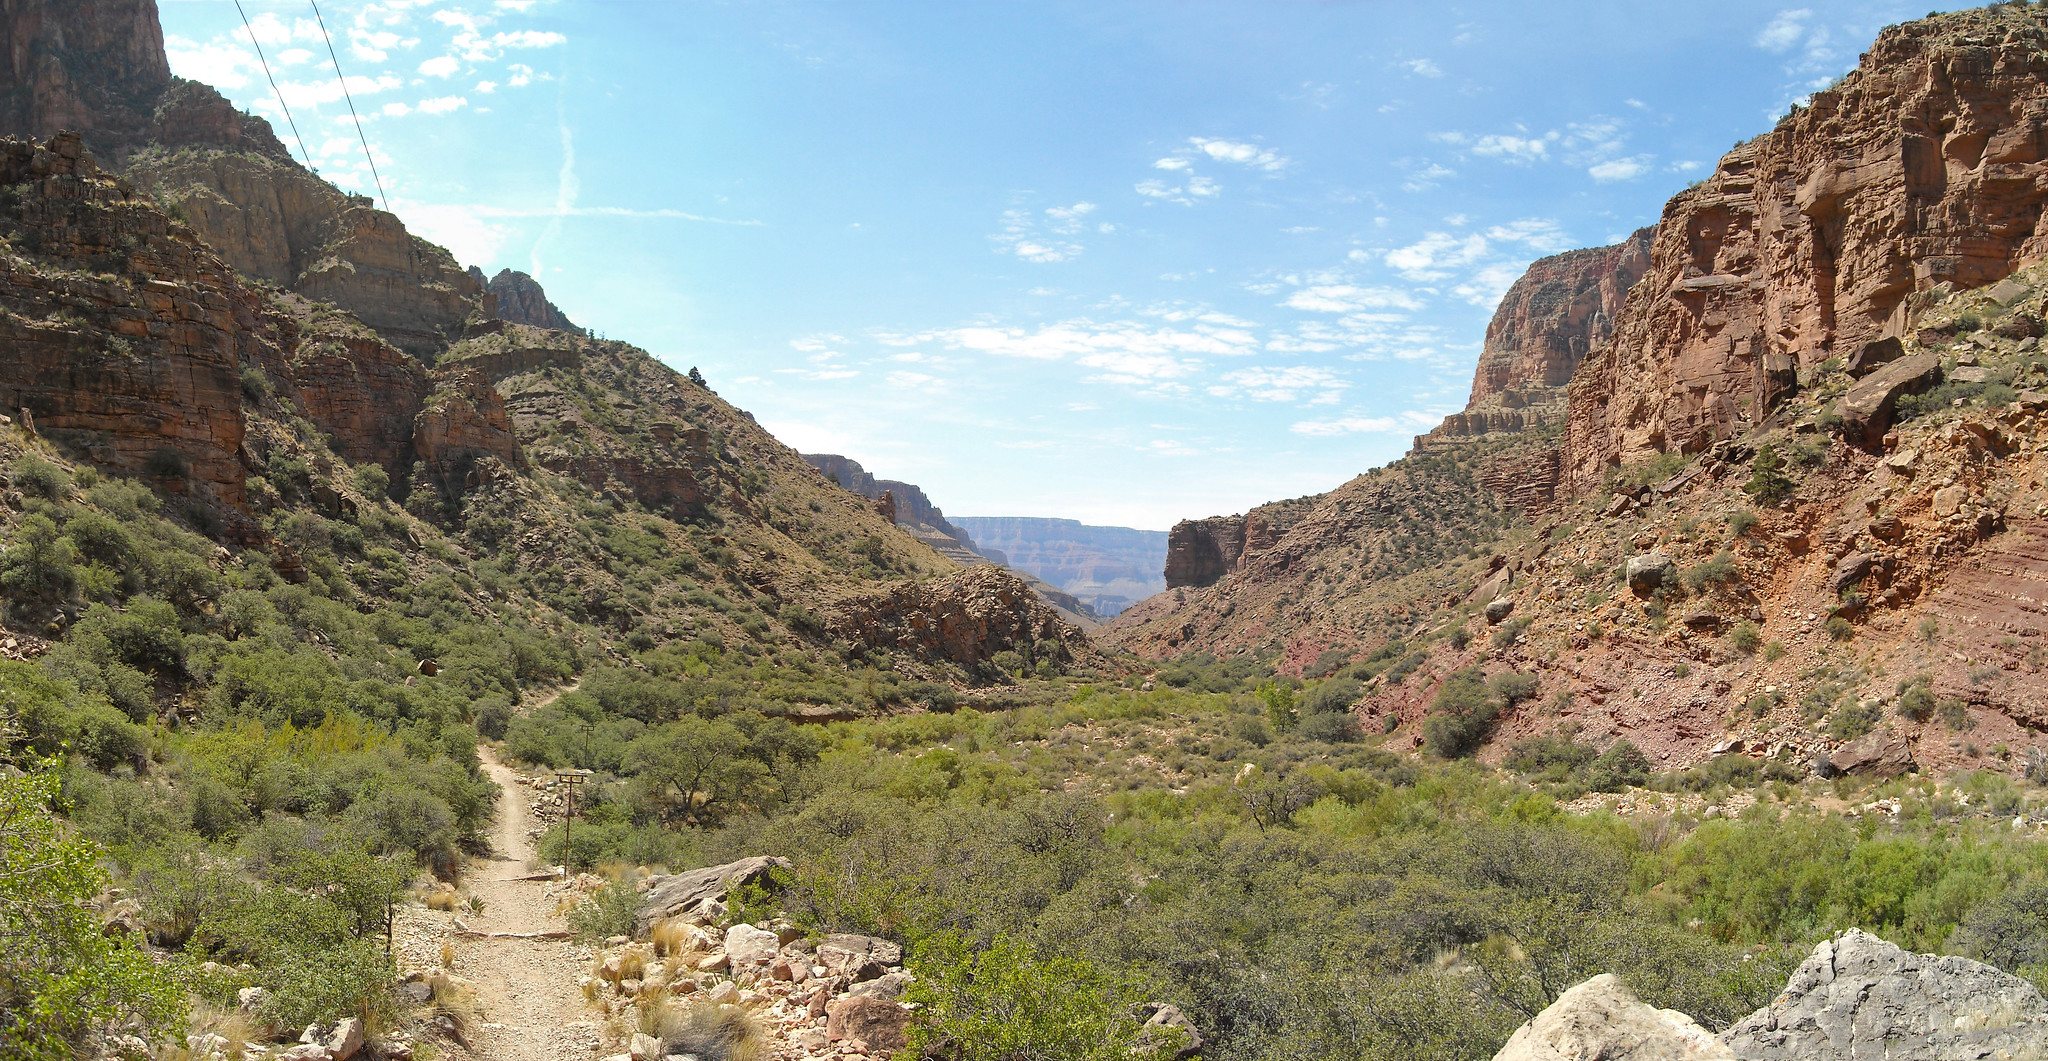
1561 308
1922 171
1107 568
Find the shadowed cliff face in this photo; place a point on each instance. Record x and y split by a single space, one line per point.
96 67
1923 168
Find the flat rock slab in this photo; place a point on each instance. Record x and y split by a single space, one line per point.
1858 997
674 894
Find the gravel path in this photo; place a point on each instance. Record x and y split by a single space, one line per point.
532 1008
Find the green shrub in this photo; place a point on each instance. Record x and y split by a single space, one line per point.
62 980
1512 687
1002 1003
1717 570
1459 716
1916 698
1746 636
36 477
1620 766
1840 629
352 979
607 911
1740 521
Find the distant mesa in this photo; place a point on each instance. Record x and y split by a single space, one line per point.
1108 568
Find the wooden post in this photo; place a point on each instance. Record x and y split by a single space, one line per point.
571 778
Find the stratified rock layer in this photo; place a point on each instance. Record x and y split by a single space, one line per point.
964 619
520 300
93 67
1561 308
1924 167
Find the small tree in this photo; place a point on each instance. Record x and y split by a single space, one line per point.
1767 480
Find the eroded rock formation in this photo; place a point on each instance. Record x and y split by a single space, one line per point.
520 300
1560 309
963 619
1923 168
125 336
96 68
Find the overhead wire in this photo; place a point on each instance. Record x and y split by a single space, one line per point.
351 104
251 30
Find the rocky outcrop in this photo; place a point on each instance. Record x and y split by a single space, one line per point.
463 423
1525 482
912 506
125 336
520 300
677 894
1920 169
96 68
1201 551
1858 996
1560 309
1855 997
359 389
1602 1020
963 619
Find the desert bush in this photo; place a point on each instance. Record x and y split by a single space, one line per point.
1459 715
1003 1003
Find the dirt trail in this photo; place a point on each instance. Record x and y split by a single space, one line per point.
532 1008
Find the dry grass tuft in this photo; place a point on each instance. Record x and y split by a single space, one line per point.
445 900
712 1033
456 1001
671 937
447 955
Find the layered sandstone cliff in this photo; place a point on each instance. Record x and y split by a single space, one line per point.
1924 167
1561 308
1201 551
95 67
125 335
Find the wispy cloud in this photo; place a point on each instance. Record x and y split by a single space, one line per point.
1049 235
1784 31
1423 68
1405 422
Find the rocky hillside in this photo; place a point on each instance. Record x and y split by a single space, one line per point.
1785 494
222 324
520 300
1107 568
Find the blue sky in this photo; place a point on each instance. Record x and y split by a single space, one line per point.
1115 261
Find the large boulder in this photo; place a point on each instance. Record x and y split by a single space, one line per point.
675 894
1860 997
1879 753
1867 409
1602 1020
1650 571
880 1023
858 957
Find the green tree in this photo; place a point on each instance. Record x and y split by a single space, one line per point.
61 979
1767 480
698 767
37 568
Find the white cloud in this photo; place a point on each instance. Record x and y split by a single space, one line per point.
1540 234
487 87
1241 153
1423 68
1428 258
914 381
397 110
1172 164
1350 298
1049 240
1203 187
1405 422
1287 383
1619 169
1519 149
522 74
441 66
1784 31
1486 286
442 104
461 229
1425 176
527 38
226 65
294 57
514 5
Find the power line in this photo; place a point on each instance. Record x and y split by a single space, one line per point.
351 104
251 30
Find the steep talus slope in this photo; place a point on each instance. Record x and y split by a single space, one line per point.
1922 168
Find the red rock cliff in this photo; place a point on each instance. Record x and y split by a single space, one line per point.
1923 167
1560 309
96 67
